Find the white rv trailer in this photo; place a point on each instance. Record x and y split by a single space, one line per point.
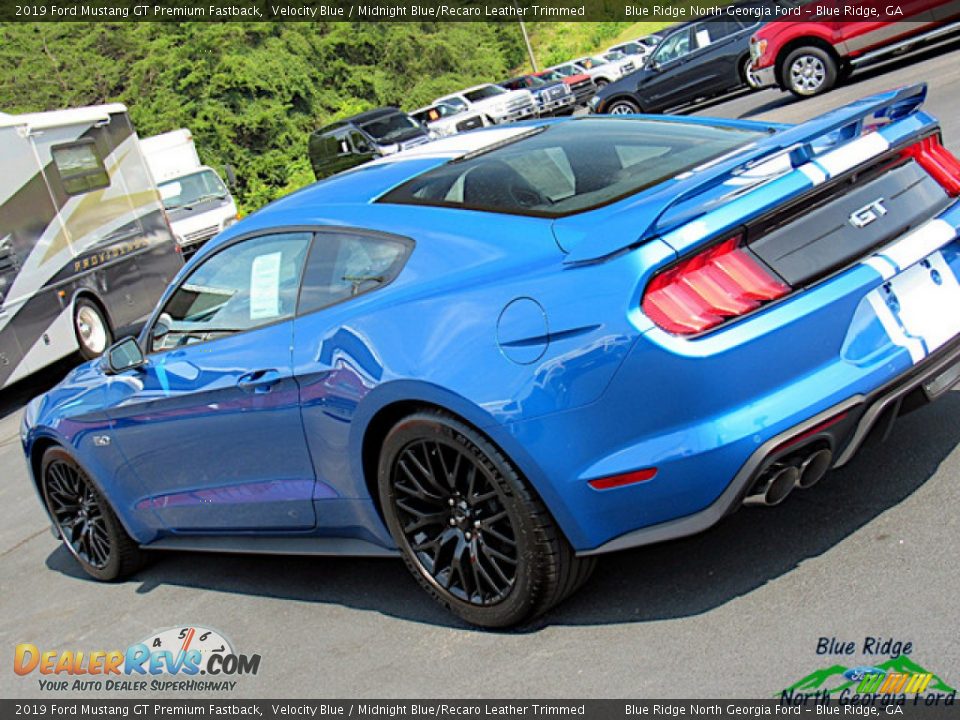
85 248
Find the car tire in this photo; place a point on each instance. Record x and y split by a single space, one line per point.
472 532
601 83
83 518
809 71
623 106
747 75
92 329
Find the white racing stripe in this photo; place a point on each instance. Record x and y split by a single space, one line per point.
814 172
896 333
928 306
456 145
915 246
853 153
884 267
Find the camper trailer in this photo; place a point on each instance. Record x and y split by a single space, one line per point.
85 247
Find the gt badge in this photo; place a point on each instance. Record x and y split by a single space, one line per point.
867 214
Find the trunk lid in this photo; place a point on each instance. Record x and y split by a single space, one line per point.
831 165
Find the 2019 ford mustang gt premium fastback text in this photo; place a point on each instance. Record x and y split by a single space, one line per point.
504 353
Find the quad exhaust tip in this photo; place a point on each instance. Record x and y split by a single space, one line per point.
814 468
774 487
778 481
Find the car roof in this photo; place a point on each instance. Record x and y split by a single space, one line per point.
349 197
365 183
475 87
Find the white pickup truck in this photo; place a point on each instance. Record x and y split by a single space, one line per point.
495 103
443 119
601 71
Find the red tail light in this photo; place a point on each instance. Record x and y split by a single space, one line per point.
700 293
614 481
939 162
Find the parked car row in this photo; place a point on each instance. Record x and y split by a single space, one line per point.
557 90
714 55
691 62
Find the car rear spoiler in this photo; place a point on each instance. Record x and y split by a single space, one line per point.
846 123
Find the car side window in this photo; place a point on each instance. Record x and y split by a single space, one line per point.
343 265
675 46
240 288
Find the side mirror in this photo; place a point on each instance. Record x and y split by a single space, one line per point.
124 355
653 65
231 174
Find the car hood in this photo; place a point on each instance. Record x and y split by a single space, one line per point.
505 98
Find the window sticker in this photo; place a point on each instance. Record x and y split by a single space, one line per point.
703 37
265 286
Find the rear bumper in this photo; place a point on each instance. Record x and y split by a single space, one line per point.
850 424
709 413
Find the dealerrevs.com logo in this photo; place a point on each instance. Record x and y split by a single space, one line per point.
183 653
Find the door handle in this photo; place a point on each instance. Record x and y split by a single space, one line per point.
258 381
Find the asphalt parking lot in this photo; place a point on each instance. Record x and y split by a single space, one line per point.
734 612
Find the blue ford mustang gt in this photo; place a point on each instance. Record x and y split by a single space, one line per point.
504 353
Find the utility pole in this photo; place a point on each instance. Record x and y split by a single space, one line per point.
526 39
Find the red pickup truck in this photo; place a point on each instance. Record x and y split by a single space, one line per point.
808 56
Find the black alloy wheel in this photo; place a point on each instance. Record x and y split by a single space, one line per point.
470 530
455 523
87 525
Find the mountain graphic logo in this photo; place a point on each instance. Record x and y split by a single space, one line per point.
837 678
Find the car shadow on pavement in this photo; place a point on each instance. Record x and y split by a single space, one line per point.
677 579
13 398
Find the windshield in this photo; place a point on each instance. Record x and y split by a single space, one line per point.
550 75
389 128
192 189
629 48
483 93
571 167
